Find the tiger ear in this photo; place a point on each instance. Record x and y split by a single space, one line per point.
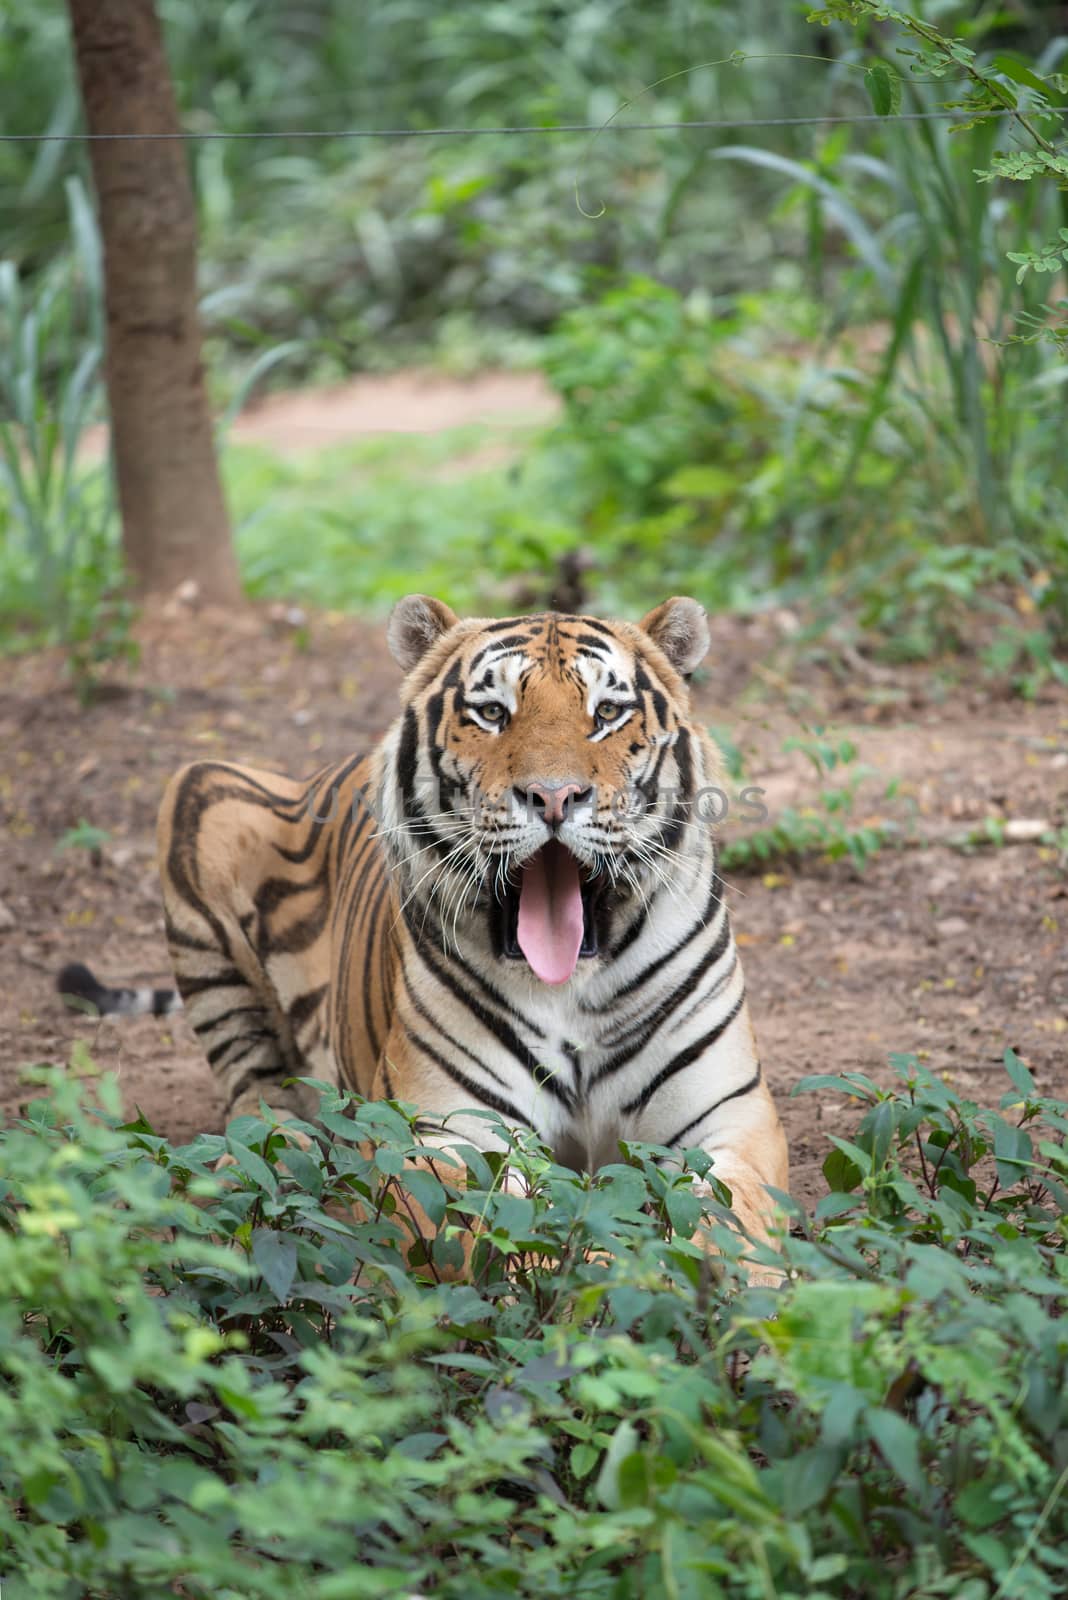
416 623
680 629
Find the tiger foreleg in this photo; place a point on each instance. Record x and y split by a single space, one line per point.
750 1159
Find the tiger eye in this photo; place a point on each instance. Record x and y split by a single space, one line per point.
492 711
609 711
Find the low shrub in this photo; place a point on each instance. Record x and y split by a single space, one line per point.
222 1384
735 450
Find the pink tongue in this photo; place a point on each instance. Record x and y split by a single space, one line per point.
550 913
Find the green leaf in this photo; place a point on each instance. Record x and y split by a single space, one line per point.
1019 72
982 1503
700 483
842 1174
252 1165
879 1126
275 1255
344 1127
305 1169
884 88
810 1476
843 1406
623 1443
899 1444
389 1162
515 1214
860 1157
1020 1075
856 1085
428 1192
1013 1152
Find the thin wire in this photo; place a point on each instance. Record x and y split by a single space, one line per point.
963 114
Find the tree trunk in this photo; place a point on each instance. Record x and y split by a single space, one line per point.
174 518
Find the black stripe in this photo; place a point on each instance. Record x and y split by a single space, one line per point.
406 770
513 642
510 622
225 1016
331 779
228 978
269 799
714 897
407 751
356 819
351 897
194 798
494 1101
185 941
647 1025
456 1045
644 682
354 878
489 990
735 1094
685 1058
495 1025
597 627
303 933
250 1041
374 911
637 924
670 835
305 1006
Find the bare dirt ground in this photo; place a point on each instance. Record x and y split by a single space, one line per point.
412 401
954 956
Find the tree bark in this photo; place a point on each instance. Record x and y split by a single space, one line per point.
174 519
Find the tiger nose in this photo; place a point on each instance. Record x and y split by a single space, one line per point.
554 801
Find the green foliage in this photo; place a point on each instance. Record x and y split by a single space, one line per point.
1026 655
359 525
802 366
822 827
1004 82
696 449
226 1384
59 568
84 836
412 238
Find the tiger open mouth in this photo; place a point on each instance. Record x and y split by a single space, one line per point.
548 917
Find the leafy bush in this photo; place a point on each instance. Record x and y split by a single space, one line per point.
56 534
409 234
227 1385
730 449
805 364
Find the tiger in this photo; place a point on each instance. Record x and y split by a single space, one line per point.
513 904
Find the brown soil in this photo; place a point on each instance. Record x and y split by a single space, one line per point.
412 401
954 956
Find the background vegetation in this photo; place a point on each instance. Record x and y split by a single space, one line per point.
795 363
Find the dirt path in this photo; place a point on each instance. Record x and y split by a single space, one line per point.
413 401
953 956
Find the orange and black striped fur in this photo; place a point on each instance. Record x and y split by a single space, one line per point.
512 903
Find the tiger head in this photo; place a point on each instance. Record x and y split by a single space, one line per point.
540 780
